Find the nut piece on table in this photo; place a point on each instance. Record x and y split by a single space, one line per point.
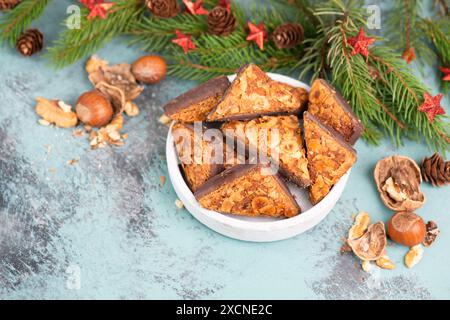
362 221
385 263
398 181
372 244
406 228
366 265
432 233
52 112
179 204
131 109
413 256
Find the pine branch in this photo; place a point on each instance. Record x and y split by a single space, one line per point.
438 32
213 52
388 102
75 44
15 22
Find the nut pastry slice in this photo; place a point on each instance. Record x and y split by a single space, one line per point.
329 157
198 166
248 190
254 94
326 104
195 104
278 134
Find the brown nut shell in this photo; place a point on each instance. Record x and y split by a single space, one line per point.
406 228
149 69
372 244
94 109
398 181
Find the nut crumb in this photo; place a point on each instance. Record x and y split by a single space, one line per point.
73 162
87 128
165 120
78 133
64 106
48 148
179 204
131 109
162 180
345 248
366 265
413 256
44 123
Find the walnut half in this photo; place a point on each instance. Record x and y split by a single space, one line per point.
398 181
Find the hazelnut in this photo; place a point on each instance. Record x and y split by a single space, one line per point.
94 109
149 69
406 228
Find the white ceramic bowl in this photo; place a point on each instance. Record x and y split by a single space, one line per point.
257 229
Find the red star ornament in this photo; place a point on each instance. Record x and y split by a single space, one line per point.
195 8
184 41
225 4
98 8
446 72
361 44
257 34
432 106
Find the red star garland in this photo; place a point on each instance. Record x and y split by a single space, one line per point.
225 4
446 72
432 106
195 8
257 34
361 44
184 41
98 8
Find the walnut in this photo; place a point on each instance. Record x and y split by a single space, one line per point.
57 112
372 244
116 81
432 233
413 256
398 181
385 263
362 221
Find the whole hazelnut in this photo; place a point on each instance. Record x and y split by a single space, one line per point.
94 109
406 228
149 69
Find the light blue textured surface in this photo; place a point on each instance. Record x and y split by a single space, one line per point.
108 215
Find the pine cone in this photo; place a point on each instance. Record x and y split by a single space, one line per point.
30 42
221 22
8 4
287 35
435 170
163 8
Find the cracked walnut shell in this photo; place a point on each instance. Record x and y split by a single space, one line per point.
372 244
398 181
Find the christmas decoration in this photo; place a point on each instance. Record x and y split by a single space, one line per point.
163 8
432 106
383 92
221 22
195 8
225 4
184 41
287 35
435 170
361 44
446 72
8 4
98 8
257 34
30 42
409 55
